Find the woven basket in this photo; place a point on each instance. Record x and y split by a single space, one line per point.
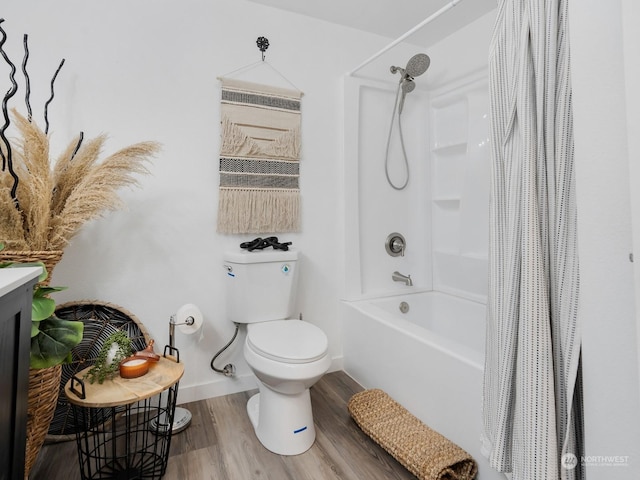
423 451
50 258
100 320
43 394
43 383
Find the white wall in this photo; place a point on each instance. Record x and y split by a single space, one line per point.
631 39
607 309
146 70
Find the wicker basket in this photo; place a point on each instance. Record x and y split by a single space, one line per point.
43 383
50 258
100 320
43 395
423 451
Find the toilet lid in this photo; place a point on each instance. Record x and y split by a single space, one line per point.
290 341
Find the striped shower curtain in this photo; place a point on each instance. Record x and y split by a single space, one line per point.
532 396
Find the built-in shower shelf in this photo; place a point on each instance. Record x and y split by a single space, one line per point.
450 148
475 256
454 251
446 252
447 202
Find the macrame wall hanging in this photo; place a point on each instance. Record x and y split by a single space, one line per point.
259 158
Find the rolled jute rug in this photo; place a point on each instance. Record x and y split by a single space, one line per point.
423 451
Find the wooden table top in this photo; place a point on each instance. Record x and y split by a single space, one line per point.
123 391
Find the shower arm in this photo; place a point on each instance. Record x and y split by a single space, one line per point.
403 37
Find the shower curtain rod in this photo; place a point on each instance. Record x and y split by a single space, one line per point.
427 20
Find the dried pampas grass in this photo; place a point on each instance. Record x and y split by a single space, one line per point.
56 200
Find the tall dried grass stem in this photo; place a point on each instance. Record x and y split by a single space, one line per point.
69 170
97 191
57 198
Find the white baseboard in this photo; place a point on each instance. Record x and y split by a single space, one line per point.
337 364
229 385
216 388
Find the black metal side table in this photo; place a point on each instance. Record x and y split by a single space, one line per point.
123 426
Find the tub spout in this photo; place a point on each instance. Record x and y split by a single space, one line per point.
398 277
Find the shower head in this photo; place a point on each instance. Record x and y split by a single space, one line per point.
417 65
406 85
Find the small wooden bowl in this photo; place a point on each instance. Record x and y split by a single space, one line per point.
133 367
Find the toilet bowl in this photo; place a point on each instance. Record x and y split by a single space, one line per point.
287 358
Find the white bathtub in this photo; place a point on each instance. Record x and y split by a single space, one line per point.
429 359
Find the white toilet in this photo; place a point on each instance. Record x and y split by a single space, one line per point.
287 355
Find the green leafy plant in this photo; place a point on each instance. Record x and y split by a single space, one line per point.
52 338
106 368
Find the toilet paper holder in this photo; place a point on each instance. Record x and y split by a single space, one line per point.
189 319
174 321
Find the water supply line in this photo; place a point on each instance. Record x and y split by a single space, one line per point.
229 369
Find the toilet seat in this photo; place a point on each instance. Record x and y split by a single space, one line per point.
288 341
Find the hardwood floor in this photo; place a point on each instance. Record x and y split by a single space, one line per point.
220 444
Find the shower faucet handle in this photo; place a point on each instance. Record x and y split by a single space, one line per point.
395 244
398 245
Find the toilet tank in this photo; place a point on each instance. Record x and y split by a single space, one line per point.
260 285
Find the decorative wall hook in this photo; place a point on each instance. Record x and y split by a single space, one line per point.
263 44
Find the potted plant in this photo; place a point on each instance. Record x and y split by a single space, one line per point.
115 348
44 202
54 198
52 338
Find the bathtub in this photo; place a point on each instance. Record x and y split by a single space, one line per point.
429 359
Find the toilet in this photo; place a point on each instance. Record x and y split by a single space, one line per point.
286 355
